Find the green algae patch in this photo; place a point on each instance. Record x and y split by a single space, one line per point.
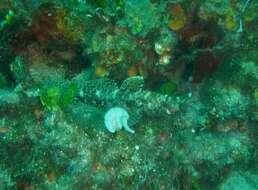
168 88
55 97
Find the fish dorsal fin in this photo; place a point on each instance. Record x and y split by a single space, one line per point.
133 84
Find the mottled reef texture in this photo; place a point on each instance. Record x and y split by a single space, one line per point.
185 72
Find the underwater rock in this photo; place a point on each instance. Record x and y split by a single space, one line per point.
7 97
239 180
18 69
196 114
230 103
141 23
6 180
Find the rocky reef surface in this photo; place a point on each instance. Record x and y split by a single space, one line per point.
128 94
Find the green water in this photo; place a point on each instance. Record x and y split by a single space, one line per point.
128 95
